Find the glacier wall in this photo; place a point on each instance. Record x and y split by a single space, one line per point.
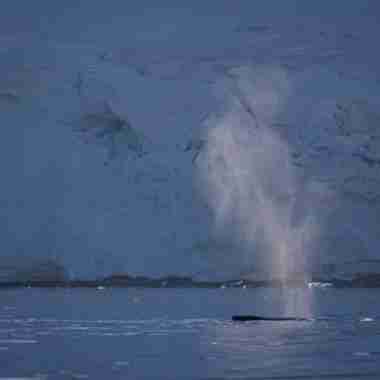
105 113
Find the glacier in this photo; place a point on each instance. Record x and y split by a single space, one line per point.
105 110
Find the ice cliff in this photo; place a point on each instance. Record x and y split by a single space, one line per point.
104 109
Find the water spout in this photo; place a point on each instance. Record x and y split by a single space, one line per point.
251 185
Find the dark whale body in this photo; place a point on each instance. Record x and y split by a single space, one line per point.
246 318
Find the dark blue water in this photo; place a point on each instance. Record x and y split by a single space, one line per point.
185 334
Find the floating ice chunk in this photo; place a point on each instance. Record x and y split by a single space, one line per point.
366 319
80 376
362 353
121 363
22 378
319 284
73 375
17 341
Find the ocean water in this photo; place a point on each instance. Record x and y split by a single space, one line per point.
186 334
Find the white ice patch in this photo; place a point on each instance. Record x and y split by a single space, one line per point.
17 341
360 353
366 319
319 285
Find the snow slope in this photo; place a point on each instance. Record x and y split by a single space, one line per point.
105 108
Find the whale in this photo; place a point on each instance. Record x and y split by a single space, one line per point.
247 318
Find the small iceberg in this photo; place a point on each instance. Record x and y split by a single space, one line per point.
360 353
319 284
367 319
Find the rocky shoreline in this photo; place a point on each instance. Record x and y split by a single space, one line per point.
126 281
